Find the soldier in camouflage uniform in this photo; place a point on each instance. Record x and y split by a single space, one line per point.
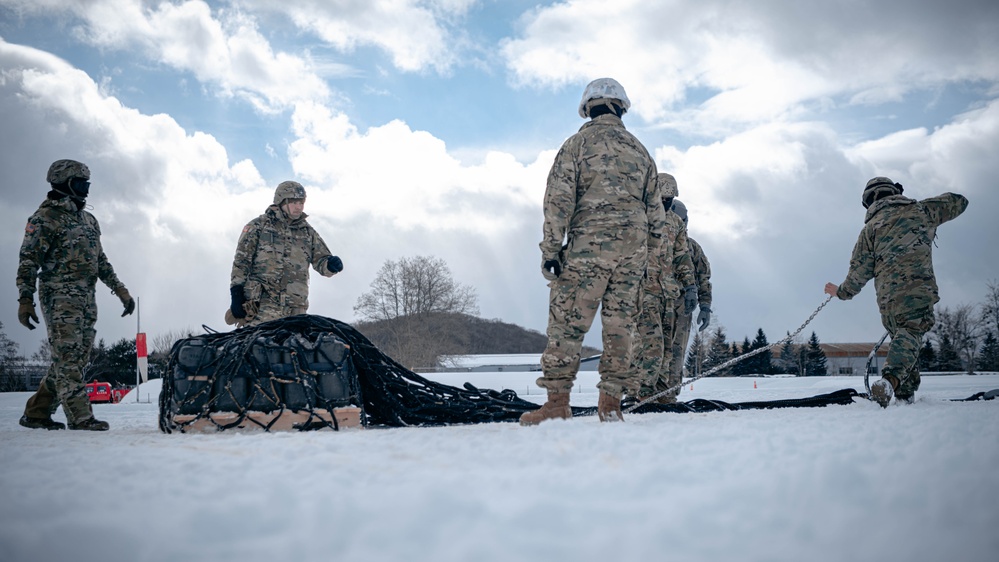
62 255
270 273
674 277
681 335
895 249
603 200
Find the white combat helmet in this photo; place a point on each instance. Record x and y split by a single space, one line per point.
603 88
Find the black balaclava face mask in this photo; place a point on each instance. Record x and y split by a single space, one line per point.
76 189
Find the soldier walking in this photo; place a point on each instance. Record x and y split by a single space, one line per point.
670 289
270 272
684 318
603 218
895 248
62 255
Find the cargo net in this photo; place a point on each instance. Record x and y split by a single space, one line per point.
310 372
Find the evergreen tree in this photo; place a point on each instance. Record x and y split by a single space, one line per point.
696 354
742 367
815 358
787 361
761 363
947 357
718 352
927 357
988 357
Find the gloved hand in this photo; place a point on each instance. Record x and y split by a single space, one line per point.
703 318
551 268
334 264
689 299
126 300
237 298
26 311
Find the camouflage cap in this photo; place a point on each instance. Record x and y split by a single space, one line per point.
62 171
877 187
288 190
667 185
680 209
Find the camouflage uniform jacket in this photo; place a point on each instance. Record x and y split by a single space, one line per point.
62 251
895 249
273 257
702 272
602 179
676 269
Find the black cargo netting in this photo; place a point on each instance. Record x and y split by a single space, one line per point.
310 363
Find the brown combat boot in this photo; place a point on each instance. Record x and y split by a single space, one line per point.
609 408
556 408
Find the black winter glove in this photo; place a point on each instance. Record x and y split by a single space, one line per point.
238 297
689 299
334 264
551 269
26 312
703 318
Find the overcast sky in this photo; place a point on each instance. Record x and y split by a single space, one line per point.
428 128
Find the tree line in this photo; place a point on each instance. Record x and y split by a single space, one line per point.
965 338
706 353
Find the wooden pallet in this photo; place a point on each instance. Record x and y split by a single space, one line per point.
267 421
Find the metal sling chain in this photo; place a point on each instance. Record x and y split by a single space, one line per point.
732 361
870 359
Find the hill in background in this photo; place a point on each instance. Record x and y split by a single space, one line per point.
418 342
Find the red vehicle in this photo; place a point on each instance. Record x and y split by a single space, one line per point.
101 392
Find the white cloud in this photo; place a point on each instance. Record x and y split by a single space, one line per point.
754 61
414 33
409 177
226 51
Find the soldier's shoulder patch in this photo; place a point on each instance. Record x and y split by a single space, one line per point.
30 228
247 228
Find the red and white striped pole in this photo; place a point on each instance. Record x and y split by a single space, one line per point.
141 357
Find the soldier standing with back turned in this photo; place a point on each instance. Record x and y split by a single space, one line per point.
672 288
895 248
62 255
603 201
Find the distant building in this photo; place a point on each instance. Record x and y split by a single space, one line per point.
513 362
848 359
842 359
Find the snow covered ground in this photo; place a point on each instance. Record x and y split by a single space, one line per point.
910 483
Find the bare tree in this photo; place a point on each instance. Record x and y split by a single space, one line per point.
962 328
415 310
415 286
44 352
11 375
163 342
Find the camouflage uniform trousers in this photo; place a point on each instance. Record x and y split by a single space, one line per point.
681 335
906 328
651 354
69 320
602 270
